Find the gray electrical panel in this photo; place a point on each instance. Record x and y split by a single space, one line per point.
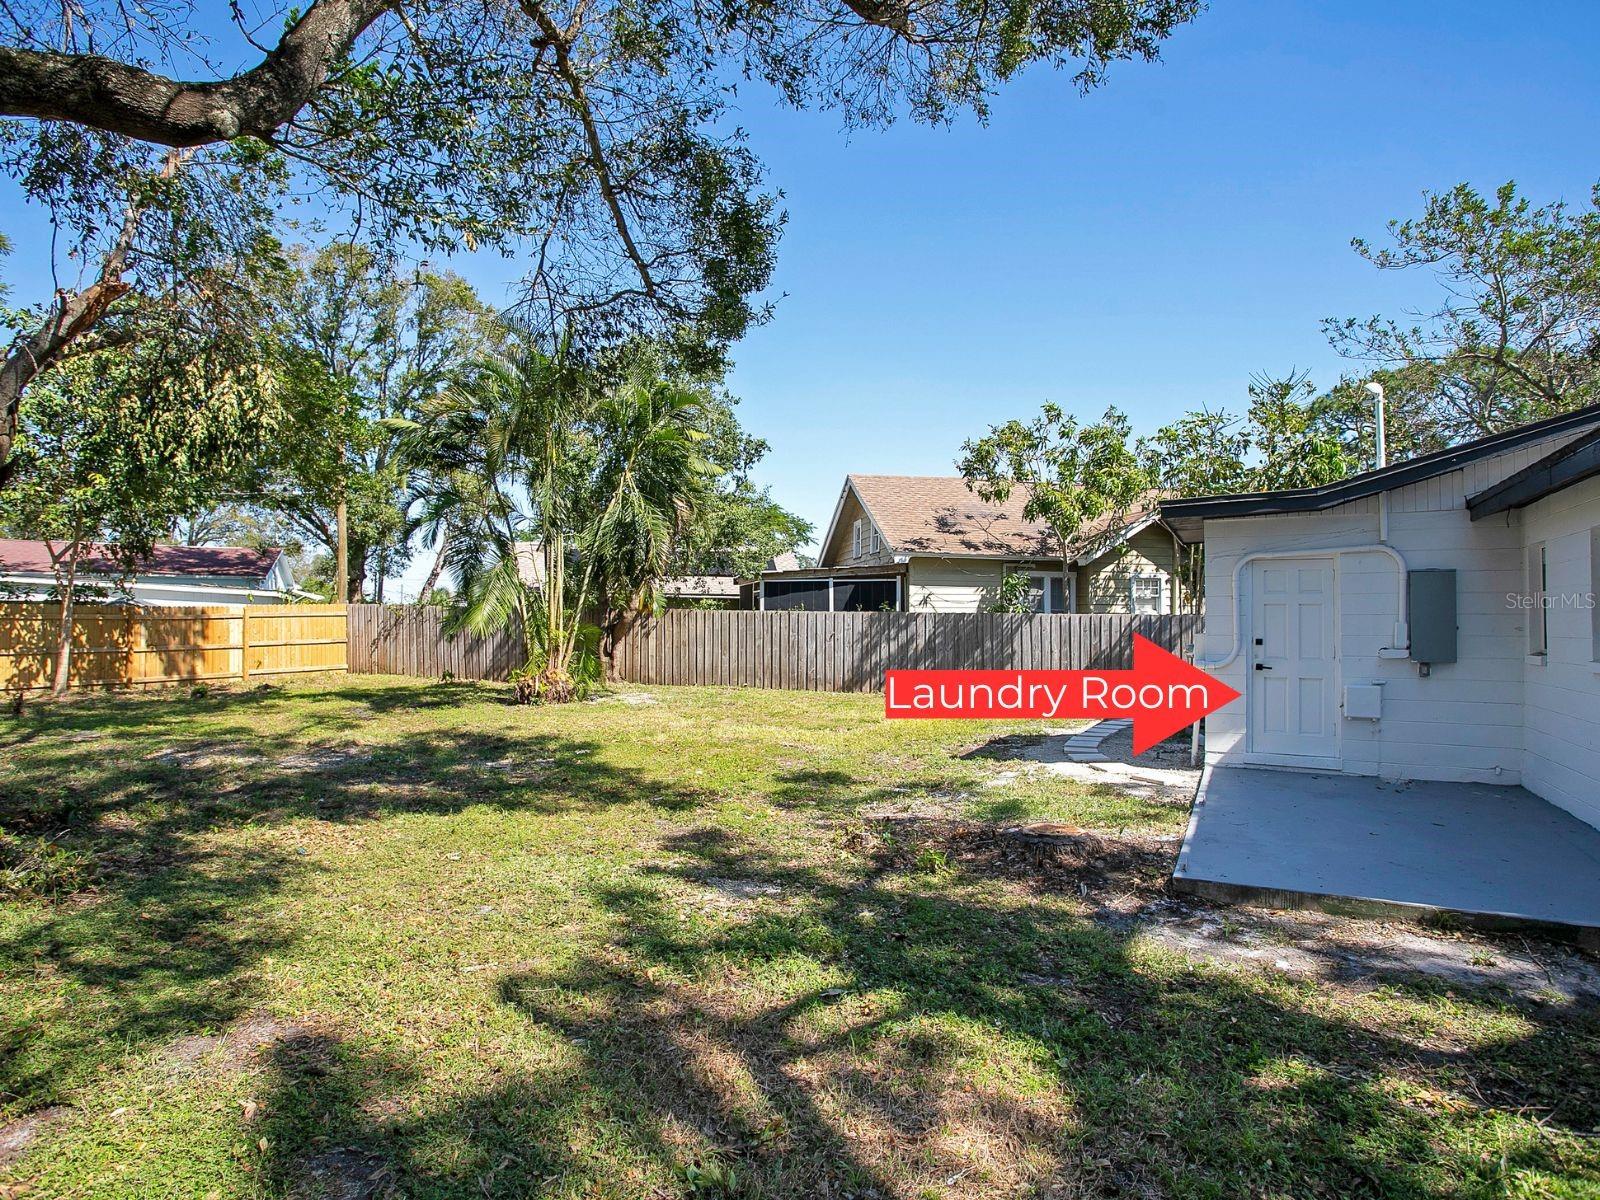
1431 604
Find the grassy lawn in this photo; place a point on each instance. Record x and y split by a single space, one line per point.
369 937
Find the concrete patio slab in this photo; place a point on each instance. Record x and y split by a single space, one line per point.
1487 856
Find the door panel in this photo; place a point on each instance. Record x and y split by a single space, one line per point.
1292 667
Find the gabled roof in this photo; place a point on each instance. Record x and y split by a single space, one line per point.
1185 517
220 562
939 515
1570 464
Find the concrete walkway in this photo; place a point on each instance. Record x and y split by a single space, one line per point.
1084 745
1493 856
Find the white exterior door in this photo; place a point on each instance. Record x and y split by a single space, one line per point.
1293 714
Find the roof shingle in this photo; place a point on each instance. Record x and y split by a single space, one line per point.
938 515
225 562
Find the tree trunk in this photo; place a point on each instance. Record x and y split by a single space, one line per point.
438 569
89 89
64 638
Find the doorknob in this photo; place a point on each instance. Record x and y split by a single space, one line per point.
1262 667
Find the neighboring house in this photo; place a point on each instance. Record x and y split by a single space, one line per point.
1432 620
700 591
925 543
170 575
679 591
530 564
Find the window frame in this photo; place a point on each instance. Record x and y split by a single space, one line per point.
1594 595
1069 590
1138 577
1537 572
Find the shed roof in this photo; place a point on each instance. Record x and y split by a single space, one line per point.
708 587
221 562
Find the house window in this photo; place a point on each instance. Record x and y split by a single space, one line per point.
877 541
1049 593
1594 593
855 539
1538 613
1145 594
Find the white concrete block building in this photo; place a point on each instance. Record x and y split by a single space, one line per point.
1433 620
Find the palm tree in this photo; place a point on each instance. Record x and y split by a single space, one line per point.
649 479
527 450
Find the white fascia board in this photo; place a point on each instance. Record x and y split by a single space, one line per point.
1138 526
127 586
833 524
827 538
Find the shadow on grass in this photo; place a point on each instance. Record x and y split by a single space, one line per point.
159 930
847 1025
955 1047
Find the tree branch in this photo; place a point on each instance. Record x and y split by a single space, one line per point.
888 14
560 44
72 315
107 94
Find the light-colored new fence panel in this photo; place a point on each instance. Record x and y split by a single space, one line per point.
118 645
849 652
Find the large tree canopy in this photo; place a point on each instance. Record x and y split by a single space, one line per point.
592 131
1515 335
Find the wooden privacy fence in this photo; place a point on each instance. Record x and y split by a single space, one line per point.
409 639
115 645
849 652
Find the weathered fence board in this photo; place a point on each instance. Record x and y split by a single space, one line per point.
849 652
410 639
115 645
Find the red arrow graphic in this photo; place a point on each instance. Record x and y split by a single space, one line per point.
1162 694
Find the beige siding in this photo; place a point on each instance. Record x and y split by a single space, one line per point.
837 552
953 584
1104 586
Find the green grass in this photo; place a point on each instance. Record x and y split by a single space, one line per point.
641 950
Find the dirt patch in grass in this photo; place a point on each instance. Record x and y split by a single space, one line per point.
206 756
1312 944
1106 869
347 1173
19 1136
234 1046
323 758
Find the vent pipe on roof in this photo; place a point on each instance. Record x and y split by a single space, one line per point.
1376 389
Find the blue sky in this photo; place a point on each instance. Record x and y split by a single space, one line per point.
1150 245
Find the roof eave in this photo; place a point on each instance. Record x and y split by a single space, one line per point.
1182 515
1572 463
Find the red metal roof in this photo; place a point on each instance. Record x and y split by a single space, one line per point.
230 562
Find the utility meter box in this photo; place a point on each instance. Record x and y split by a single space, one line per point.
1431 614
1363 701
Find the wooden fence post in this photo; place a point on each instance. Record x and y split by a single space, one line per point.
244 643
